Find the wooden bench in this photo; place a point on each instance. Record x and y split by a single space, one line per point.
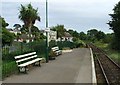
25 60
56 50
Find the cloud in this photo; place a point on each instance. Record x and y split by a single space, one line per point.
77 14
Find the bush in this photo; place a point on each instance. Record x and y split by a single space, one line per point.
63 44
79 43
8 69
52 54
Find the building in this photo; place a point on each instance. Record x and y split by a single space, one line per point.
15 31
25 38
67 37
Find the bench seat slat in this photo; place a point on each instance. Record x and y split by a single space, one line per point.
21 56
30 62
26 58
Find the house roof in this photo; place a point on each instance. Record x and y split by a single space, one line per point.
25 36
66 34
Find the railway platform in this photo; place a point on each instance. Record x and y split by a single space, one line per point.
70 67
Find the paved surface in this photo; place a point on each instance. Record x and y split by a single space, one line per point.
72 67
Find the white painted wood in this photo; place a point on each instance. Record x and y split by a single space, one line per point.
56 50
30 62
26 58
21 56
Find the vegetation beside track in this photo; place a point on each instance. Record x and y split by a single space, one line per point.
113 54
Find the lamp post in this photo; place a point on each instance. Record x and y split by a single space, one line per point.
47 59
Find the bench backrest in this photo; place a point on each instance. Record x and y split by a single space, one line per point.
55 48
25 57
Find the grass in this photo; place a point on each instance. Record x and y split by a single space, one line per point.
115 55
0 69
8 68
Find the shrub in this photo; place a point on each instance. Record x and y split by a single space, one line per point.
79 43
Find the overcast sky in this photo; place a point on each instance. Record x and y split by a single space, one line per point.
79 15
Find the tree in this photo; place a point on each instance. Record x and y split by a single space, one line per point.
115 25
100 35
108 38
73 33
92 34
28 15
60 30
82 36
2 22
7 37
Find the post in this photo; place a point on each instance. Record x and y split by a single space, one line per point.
47 32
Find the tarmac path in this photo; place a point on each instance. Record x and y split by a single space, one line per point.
71 67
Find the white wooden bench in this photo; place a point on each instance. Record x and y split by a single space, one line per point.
56 50
23 61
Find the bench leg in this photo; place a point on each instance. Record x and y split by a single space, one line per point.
25 69
39 63
21 68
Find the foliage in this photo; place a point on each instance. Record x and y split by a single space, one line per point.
100 35
108 38
82 36
79 43
115 26
34 31
95 35
115 55
7 37
63 44
3 22
60 30
92 34
8 68
28 15
73 33
38 46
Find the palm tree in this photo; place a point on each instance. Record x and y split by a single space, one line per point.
28 15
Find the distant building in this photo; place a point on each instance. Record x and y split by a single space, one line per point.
15 31
21 37
67 37
25 38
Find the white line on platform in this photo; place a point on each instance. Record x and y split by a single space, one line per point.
94 81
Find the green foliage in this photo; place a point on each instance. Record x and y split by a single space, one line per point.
100 35
79 43
60 30
28 15
73 33
7 37
115 55
38 46
63 44
94 35
8 68
108 38
115 26
3 23
82 36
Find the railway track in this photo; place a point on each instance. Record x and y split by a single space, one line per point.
110 69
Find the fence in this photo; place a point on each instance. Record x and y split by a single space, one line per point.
8 52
